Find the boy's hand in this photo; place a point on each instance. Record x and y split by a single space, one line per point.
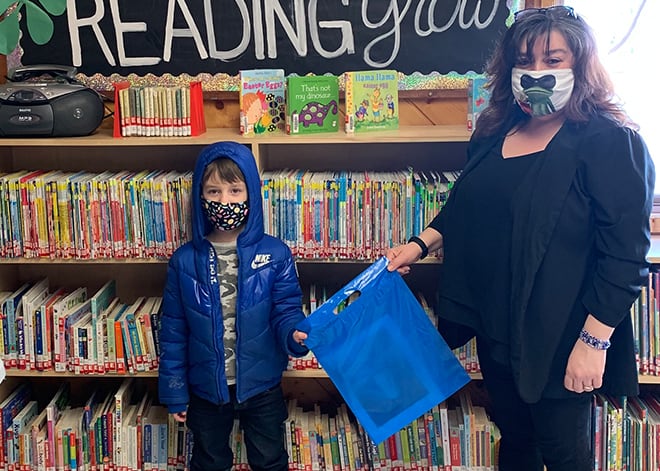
299 337
180 416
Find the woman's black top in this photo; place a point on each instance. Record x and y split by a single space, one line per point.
486 198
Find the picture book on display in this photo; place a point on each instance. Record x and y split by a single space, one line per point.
372 100
478 98
312 104
261 101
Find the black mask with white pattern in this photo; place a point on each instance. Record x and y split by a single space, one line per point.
225 217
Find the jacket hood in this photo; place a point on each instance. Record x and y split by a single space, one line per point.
254 226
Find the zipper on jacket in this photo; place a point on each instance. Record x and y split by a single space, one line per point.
216 312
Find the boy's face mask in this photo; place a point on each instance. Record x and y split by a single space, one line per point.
542 92
226 216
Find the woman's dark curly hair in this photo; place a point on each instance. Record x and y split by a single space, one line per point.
593 93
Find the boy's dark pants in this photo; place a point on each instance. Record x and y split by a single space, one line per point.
551 431
262 420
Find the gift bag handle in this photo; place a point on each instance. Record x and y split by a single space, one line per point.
326 312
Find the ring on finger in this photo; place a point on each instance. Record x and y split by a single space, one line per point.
588 388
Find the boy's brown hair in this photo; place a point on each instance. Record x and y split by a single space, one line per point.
225 168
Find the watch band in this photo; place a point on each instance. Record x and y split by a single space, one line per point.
422 245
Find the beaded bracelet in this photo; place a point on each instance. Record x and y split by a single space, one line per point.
594 342
422 245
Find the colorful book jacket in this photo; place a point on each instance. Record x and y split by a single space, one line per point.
372 100
478 98
261 101
312 104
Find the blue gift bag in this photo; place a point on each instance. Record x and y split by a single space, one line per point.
382 352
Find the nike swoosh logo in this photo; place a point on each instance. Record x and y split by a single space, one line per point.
256 264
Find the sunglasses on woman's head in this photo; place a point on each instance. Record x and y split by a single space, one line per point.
557 11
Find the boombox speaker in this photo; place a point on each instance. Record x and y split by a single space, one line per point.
59 106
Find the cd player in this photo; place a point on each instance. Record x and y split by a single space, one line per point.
56 106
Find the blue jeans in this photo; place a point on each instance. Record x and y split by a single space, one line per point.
262 420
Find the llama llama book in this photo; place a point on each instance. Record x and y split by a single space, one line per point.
372 100
312 104
261 101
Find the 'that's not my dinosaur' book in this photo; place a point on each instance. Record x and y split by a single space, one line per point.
372 100
312 104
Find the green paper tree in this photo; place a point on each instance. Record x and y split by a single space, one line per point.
39 24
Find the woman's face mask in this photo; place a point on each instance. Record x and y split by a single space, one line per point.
542 92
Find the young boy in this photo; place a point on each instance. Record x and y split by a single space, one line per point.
230 305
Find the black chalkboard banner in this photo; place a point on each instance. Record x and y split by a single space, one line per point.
122 37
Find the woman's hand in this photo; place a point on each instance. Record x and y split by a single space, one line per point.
402 256
585 368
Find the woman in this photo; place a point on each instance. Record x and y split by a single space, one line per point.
544 238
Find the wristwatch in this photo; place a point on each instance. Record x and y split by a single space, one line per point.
422 245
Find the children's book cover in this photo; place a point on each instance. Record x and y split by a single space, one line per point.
312 104
261 101
372 100
478 98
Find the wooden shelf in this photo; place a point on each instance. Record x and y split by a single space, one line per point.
310 373
77 261
649 379
643 379
103 137
67 374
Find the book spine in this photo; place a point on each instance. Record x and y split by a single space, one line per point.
20 342
120 360
350 102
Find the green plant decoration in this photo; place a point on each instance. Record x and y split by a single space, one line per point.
39 24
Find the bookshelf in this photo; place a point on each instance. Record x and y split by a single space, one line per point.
422 147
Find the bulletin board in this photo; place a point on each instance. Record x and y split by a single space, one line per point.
431 44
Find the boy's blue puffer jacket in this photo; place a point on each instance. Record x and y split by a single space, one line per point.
267 308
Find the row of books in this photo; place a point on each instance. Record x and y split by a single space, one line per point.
456 436
121 429
46 329
155 111
172 111
271 102
625 435
355 215
645 313
85 215
124 429
146 214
